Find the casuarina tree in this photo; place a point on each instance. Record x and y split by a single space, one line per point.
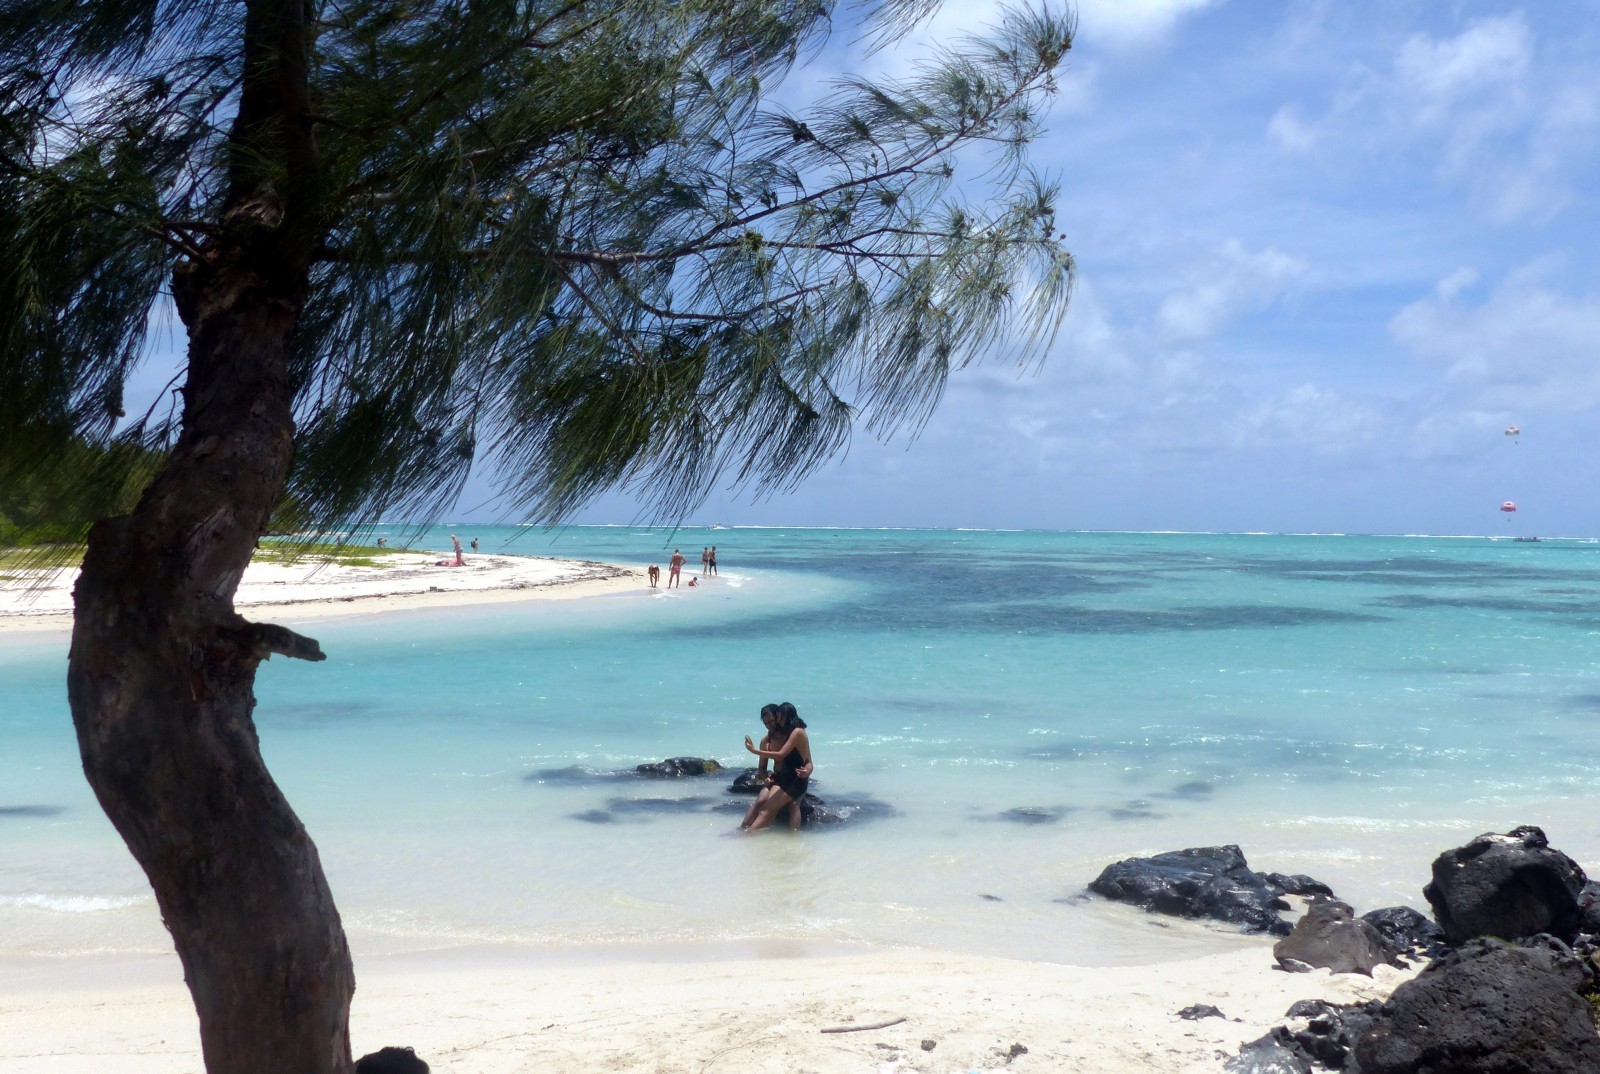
572 242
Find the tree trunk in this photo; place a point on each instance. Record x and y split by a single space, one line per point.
161 679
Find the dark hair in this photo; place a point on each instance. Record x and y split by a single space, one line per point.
769 710
791 718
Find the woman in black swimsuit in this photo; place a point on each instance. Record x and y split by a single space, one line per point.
792 769
772 741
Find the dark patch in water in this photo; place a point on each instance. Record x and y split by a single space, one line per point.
572 774
1584 701
990 898
1135 811
594 816
1189 791
32 811
1414 601
1032 815
659 805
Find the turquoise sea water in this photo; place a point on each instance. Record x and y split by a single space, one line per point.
1007 712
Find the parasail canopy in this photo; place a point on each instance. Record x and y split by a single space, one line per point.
1508 506
1512 430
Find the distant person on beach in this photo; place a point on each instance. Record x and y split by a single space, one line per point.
772 720
705 562
474 544
655 575
459 562
383 542
711 561
792 773
675 569
693 581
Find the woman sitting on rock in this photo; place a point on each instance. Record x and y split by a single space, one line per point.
792 769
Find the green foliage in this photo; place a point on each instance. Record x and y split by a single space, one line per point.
570 240
343 555
54 505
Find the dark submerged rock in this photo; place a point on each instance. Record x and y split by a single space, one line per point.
678 767
391 1061
839 809
1330 936
1409 932
1201 882
1510 886
1032 815
1487 1008
656 806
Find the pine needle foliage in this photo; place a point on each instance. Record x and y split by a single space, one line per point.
569 240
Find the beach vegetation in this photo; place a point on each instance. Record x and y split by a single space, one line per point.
570 241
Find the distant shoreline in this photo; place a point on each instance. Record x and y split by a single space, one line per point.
42 600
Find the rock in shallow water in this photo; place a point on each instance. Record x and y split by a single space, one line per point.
677 767
1202 882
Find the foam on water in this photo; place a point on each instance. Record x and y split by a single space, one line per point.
1004 713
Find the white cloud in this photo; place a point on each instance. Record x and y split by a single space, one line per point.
1524 346
1485 61
1508 127
1321 418
1235 282
1118 24
1290 132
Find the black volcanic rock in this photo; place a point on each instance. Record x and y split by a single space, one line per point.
677 767
1508 886
1487 1008
1202 882
1410 932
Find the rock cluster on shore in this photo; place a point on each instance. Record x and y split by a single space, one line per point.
1512 983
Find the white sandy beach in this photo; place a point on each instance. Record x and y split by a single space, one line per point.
407 580
500 1011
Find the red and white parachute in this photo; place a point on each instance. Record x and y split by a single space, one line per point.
1509 507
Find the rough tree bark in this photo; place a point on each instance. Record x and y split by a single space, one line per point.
162 668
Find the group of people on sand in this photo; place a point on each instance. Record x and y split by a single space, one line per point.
788 749
708 568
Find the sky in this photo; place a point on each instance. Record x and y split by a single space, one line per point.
1327 253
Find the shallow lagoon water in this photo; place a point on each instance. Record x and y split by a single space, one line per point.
1006 712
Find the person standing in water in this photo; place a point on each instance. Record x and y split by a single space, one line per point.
792 771
675 569
711 561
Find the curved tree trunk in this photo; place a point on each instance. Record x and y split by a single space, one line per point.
162 668
160 682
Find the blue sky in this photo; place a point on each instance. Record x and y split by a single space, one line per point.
1327 253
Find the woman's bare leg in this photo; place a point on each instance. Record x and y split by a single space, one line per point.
755 806
769 810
